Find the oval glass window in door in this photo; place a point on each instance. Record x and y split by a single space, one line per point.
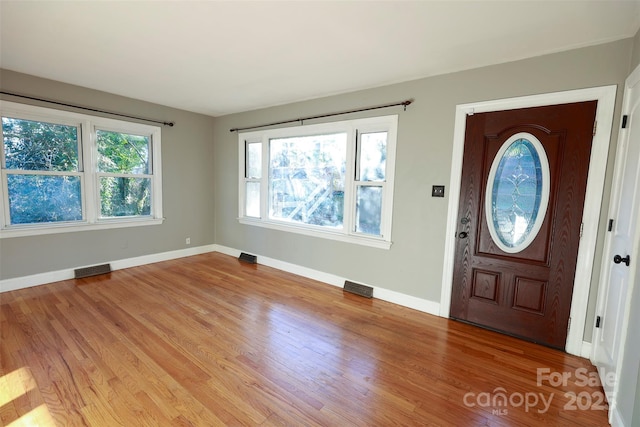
517 192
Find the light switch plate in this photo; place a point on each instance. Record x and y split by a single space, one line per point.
437 191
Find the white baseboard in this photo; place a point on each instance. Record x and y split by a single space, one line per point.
409 301
614 417
7 285
585 351
14 284
162 256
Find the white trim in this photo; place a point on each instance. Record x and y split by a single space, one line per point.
37 230
347 232
624 137
7 285
426 306
309 273
415 303
586 349
615 419
360 239
605 95
87 171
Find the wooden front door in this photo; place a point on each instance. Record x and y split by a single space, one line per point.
521 200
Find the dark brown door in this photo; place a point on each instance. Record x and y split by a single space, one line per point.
521 200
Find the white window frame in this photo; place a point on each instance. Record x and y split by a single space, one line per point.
352 128
87 170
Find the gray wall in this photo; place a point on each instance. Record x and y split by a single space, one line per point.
413 265
198 172
635 56
188 195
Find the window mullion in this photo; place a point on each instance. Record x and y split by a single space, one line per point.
350 182
82 181
298 177
242 156
264 180
89 157
155 154
4 192
41 172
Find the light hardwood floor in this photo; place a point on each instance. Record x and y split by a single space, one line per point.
209 341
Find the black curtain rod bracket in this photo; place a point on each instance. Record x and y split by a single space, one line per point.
95 110
302 119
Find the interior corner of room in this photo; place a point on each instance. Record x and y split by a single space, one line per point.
416 268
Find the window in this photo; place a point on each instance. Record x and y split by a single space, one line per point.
64 171
517 192
123 174
331 180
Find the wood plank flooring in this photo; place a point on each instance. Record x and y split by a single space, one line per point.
209 341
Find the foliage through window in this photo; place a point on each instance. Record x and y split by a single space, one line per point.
332 180
123 171
42 171
50 180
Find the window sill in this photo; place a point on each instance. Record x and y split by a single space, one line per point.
36 230
374 242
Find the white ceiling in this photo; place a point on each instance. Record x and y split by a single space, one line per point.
220 57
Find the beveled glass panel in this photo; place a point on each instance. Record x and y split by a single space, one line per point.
517 192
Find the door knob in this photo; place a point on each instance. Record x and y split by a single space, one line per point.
463 235
618 259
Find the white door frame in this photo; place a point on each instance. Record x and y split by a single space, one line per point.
606 97
624 139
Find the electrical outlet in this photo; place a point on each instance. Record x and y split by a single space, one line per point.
188 240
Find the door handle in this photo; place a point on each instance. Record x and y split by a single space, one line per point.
618 259
463 235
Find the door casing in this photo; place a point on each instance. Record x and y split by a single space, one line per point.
628 343
606 96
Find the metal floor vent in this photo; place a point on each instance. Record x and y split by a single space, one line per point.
94 270
358 289
251 259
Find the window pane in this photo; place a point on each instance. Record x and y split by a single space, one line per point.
254 160
306 179
120 196
373 156
122 153
369 210
31 145
36 199
252 206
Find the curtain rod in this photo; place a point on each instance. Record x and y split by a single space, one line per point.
86 108
302 119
